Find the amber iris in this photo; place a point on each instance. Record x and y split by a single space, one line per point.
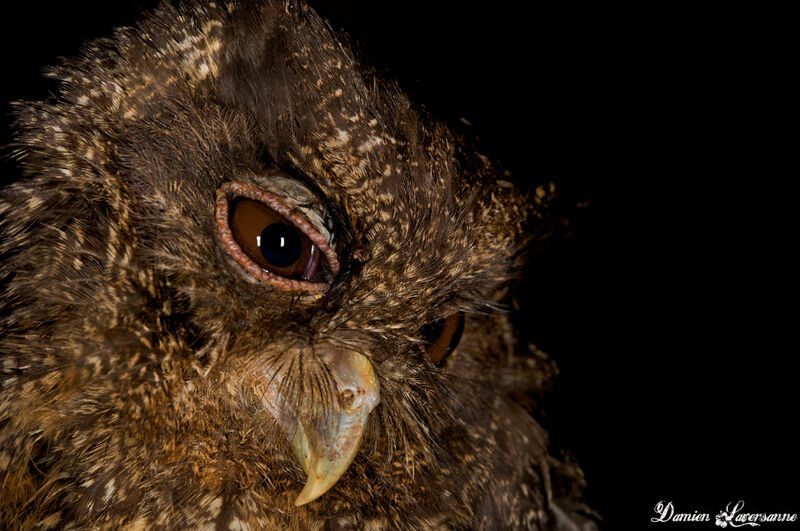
271 240
442 337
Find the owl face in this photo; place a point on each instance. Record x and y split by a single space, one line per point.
274 289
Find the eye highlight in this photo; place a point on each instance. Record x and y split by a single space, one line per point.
442 337
273 241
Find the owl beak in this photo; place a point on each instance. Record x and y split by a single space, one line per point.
327 449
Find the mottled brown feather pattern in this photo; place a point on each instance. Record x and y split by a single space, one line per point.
128 332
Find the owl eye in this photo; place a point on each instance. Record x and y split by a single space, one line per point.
272 241
442 337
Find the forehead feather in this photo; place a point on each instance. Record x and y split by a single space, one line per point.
402 176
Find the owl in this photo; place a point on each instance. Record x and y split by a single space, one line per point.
247 284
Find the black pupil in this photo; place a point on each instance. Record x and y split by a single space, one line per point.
280 244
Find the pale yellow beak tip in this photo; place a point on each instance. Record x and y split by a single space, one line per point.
311 491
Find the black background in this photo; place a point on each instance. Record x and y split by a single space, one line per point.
672 309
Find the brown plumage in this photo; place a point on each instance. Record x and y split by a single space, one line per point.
156 373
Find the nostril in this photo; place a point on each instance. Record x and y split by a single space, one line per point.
356 384
346 399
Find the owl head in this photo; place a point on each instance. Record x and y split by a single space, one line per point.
247 283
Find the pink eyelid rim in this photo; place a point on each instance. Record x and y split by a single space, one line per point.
299 221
